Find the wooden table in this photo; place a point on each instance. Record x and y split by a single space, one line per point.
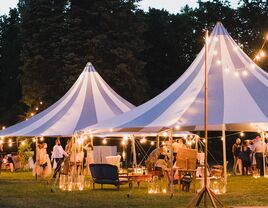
137 178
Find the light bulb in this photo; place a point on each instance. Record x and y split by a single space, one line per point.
177 127
152 143
227 70
242 134
257 57
41 139
252 66
104 141
236 74
245 73
262 53
3 127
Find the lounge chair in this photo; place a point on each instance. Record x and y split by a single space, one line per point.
107 174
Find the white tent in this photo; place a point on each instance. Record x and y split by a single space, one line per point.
89 101
237 95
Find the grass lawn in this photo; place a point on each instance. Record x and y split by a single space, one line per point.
22 190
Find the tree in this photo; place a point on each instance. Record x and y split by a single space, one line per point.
253 18
10 86
41 31
110 36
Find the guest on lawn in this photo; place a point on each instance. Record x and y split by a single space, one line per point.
236 149
245 157
58 155
45 162
260 150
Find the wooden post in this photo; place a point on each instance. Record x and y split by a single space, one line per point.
134 151
206 117
224 157
171 162
36 146
158 141
205 192
263 152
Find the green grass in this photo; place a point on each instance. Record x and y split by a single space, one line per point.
22 190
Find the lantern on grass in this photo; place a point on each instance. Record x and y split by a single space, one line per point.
63 182
72 183
80 182
217 185
154 186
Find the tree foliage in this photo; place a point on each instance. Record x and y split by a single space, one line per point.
46 44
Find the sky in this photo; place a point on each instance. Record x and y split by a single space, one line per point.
173 6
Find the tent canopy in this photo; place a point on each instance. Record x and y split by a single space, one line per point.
89 101
238 89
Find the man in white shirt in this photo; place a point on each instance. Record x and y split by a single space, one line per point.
260 150
58 154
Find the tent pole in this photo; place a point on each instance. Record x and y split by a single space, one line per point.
91 140
224 157
206 120
36 145
205 192
134 151
171 163
263 152
158 141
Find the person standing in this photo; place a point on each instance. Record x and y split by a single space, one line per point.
1 156
58 155
260 150
236 149
44 162
245 157
90 156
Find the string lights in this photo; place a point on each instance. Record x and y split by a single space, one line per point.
261 53
104 141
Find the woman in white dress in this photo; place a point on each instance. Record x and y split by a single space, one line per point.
90 156
45 164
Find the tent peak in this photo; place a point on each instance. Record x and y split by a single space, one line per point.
89 67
